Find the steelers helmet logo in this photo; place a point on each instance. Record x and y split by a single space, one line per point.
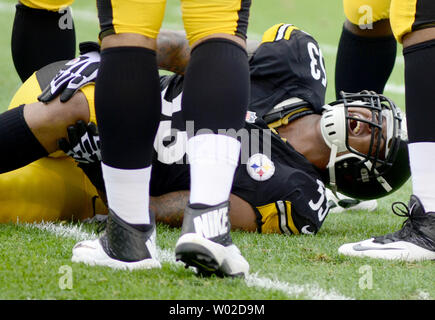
260 167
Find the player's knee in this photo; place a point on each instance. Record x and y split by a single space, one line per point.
128 40
380 28
419 36
61 114
241 42
77 108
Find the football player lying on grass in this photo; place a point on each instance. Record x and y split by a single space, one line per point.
293 145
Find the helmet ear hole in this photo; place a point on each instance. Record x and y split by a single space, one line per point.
332 125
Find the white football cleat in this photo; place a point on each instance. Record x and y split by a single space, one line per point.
398 250
206 243
120 247
414 242
210 257
91 252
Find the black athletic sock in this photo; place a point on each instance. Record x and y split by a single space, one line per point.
18 145
216 86
40 37
128 104
363 63
419 91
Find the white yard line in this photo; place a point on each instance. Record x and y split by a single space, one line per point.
309 291
312 291
70 231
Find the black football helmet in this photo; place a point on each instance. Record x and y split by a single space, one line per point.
376 173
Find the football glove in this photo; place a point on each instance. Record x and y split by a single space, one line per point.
75 74
83 144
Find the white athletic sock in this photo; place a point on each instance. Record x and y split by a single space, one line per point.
213 160
128 193
422 160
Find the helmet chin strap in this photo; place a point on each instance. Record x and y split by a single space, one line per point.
331 168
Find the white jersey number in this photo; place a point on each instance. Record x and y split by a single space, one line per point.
316 60
317 206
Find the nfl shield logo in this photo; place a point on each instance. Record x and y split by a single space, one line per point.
260 167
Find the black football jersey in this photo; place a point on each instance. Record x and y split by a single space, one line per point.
287 64
284 189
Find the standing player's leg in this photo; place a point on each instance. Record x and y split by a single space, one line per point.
127 105
215 99
412 22
367 48
43 32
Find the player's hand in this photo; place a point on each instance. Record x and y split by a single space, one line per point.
75 74
83 143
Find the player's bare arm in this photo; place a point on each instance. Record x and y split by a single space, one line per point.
169 209
173 51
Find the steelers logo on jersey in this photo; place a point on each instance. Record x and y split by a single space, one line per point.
260 167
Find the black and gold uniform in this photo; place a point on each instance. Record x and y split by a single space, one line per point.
405 15
284 189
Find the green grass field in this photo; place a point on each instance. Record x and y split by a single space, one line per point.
35 259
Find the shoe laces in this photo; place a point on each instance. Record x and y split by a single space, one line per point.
400 209
101 226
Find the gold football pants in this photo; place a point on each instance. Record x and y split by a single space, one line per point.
201 18
52 188
405 15
51 5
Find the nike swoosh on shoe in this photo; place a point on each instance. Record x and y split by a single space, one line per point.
360 247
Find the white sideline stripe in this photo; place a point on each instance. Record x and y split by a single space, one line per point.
327 49
312 292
